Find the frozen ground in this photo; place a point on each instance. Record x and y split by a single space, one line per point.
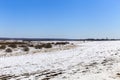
87 61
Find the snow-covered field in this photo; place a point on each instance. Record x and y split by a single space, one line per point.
98 60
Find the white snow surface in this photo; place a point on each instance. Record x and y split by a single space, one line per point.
97 60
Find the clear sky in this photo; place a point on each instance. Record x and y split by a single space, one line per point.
60 18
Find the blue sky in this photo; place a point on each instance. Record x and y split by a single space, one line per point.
60 18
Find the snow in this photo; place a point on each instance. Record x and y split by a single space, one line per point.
98 60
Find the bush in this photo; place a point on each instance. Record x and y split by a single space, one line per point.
52 43
38 46
2 46
31 45
25 49
61 43
12 45
8 50
47 45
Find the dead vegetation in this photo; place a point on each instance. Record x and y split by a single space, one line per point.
12 45
5 77
8 50
38 46
61 43
40 75
2 46
26 46
25 49
48 45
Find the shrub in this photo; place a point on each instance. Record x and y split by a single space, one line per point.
52 43
2 46
12 45
38 46
25 49
47 45
61 43
31 45
8 50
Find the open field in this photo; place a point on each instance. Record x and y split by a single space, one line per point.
76 60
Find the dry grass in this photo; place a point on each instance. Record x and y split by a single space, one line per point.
16 47
12 45
2 46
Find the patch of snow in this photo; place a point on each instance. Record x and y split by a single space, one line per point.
98 60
